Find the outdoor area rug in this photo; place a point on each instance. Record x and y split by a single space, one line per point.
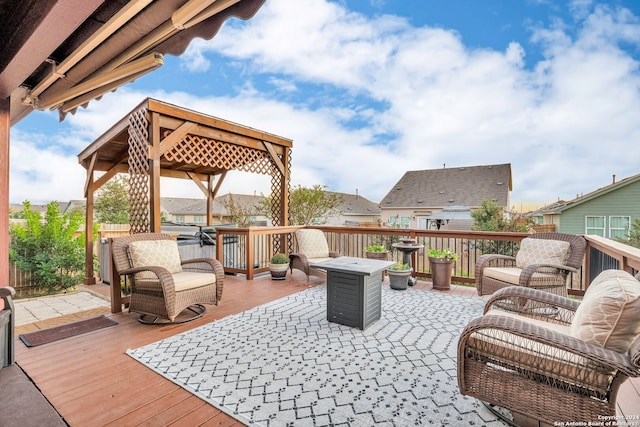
56 333
284 364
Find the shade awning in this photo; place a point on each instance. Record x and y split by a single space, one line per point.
110 44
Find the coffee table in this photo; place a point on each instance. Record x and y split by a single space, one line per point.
354 290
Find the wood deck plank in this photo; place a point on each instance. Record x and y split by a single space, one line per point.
92 382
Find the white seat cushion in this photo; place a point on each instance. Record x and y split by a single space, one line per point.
512 275
182 281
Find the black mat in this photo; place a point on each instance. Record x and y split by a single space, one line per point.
22 404
56 333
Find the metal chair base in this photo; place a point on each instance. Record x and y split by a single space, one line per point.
197 310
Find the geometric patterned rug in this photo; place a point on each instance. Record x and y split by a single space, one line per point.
284 364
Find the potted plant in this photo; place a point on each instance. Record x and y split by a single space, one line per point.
278 266
441 265
399 275
376 252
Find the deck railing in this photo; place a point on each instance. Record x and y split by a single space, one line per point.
255 248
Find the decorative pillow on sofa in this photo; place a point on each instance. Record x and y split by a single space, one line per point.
542 251
609 313
162 253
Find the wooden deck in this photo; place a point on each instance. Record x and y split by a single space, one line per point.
92 382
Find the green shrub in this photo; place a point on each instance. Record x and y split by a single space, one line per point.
279 258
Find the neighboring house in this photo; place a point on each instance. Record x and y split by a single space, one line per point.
194 211
354 211
608 211
421 194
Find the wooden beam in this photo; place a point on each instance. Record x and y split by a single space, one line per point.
92 163
274 157
5 126
154 171
171 111
199 183
176 136
89 278
219 134
119 168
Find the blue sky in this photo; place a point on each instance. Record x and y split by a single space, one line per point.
370 89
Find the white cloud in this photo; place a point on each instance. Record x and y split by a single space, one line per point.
403 98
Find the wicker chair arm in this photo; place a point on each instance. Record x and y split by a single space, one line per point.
490 260
207 265
7 291
515 294
334 254
299 256
596 356
164 277
528 271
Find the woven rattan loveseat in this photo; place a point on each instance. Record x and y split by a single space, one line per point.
563 361
544 262
162 285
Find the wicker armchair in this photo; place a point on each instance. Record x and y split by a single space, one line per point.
544 262
564 364
7 327
312 248
162 285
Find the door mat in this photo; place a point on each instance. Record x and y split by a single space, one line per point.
56 333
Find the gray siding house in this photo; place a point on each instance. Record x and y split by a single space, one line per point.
606 212
420 194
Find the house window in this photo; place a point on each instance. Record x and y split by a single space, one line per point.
594 226
198 219
405 221
180 218
619 227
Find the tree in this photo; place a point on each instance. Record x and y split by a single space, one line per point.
239 214
490 216
634 235
308 205
52 250
112 201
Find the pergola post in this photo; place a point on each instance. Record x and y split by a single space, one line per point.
5 130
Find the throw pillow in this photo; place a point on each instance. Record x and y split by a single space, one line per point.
312 243
609 313
162 253
542 251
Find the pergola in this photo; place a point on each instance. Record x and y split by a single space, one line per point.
157 139
59 55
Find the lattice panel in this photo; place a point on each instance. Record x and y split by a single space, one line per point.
139 191
196 150
276 196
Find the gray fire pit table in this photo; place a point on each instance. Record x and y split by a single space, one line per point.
354 290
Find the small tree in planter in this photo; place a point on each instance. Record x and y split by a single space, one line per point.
441 265
399 275
278 266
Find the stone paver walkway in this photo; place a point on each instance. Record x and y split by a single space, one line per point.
43 308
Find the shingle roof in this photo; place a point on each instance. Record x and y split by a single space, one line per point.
355 204
438 188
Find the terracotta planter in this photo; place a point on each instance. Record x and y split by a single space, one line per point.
399 279
278 271
377 255
441 272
